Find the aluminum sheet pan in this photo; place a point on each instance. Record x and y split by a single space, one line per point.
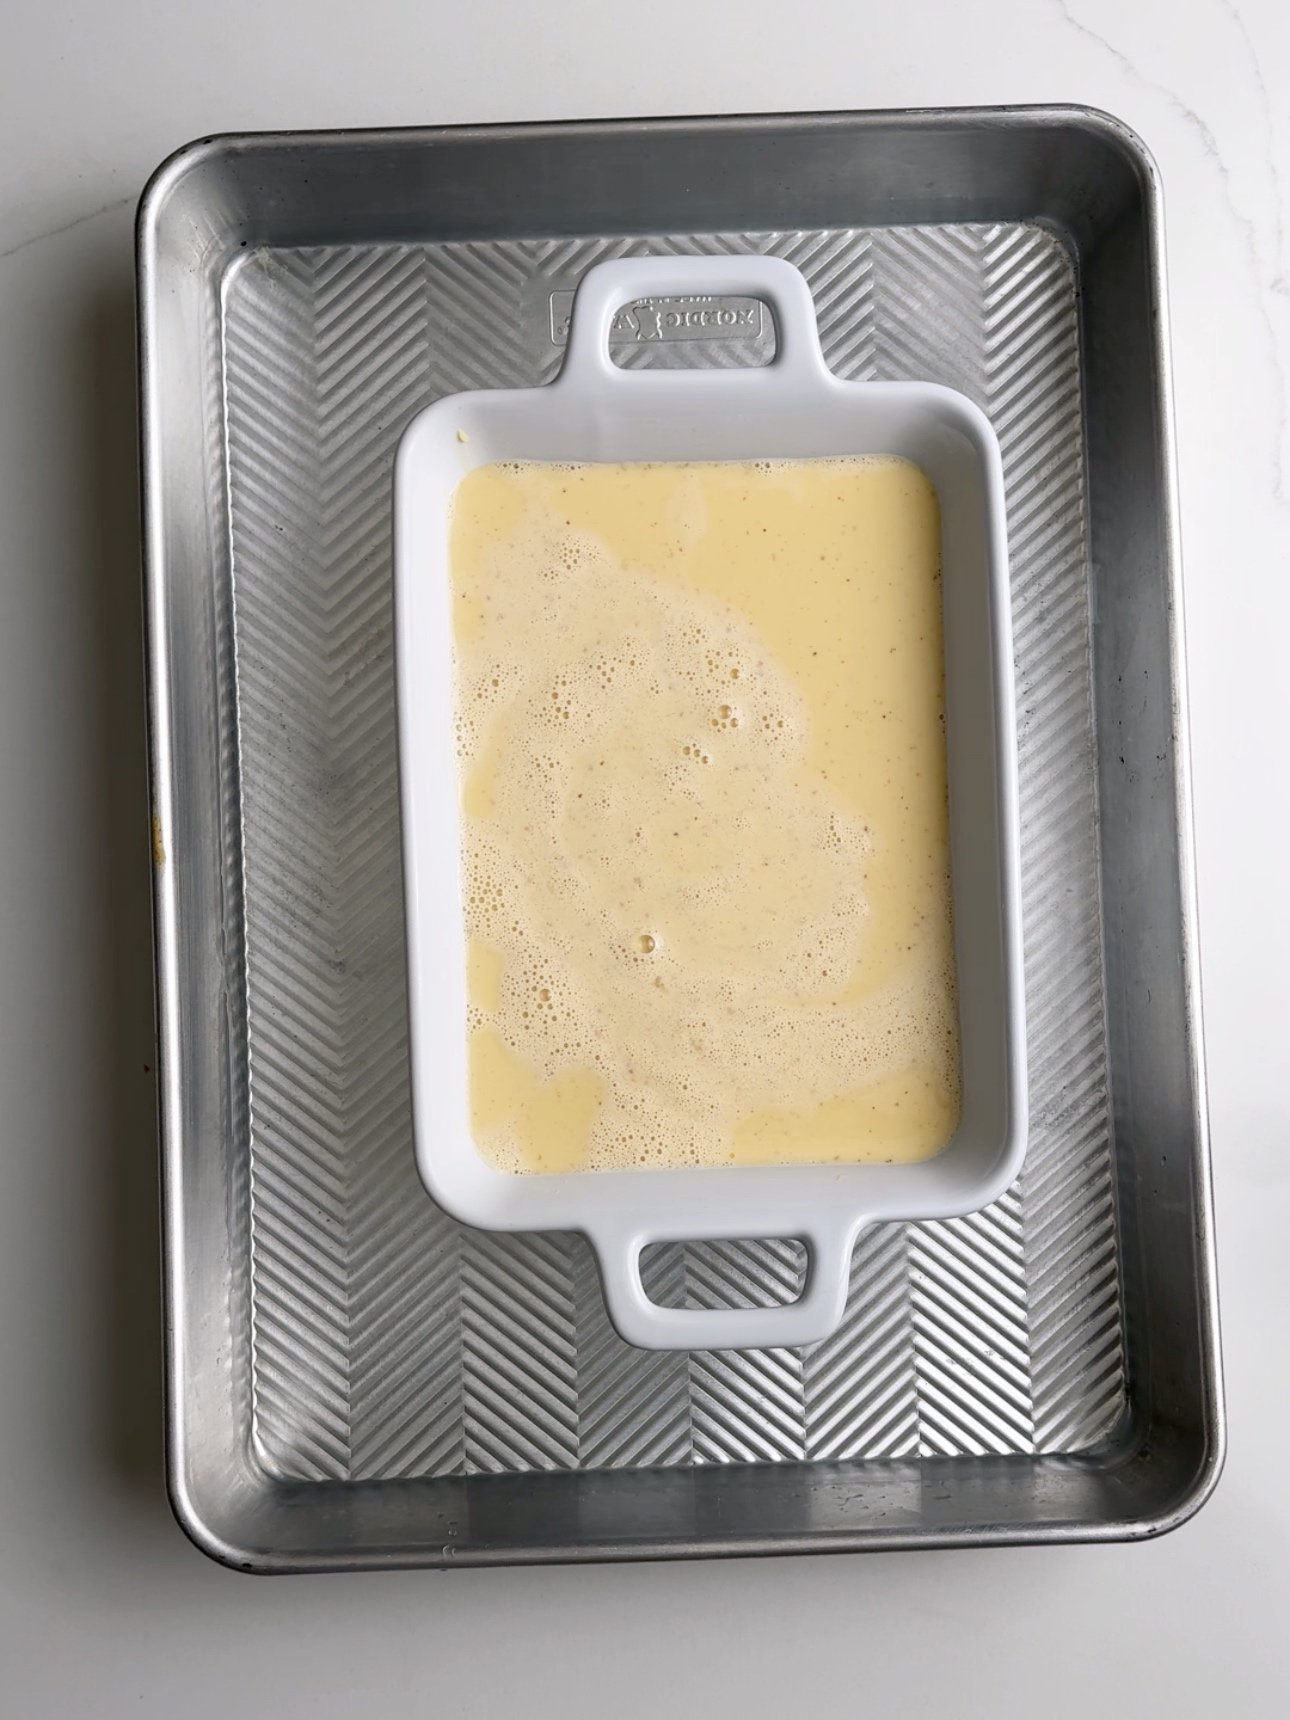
357 1380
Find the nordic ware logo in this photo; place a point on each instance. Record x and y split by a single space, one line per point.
669 320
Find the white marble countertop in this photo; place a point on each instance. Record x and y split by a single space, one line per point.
105 1609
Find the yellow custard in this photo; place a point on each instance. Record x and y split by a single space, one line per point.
705 831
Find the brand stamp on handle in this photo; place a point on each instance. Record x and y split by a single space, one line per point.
663 320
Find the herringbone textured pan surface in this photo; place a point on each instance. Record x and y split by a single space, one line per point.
390 1342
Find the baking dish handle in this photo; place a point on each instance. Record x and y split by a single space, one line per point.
817 1312
607 287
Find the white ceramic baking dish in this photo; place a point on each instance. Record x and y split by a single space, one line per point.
792 408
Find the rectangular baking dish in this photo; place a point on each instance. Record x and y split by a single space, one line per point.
792 408
354 1380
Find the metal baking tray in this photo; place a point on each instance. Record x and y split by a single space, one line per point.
355 1380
